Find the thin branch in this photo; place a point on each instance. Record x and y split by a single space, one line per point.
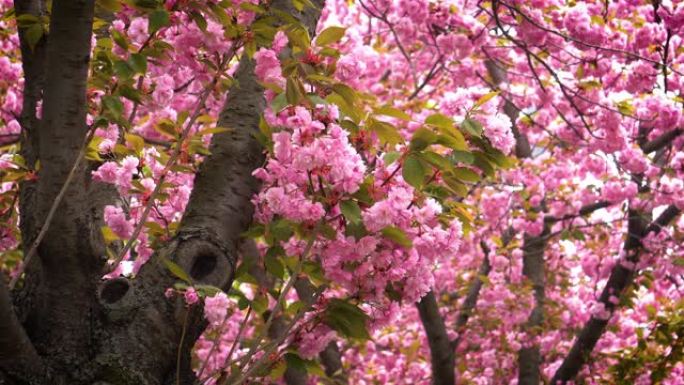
470 301
620 278
53 210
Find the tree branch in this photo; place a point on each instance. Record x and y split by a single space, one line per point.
661 141
529 358
206 245
620 278
63 287
18 357
499 77
441 349
470 301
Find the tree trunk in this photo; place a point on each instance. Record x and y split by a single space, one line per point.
64 325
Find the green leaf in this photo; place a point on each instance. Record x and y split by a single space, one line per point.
208 290
391 157
473 127
33 35
138 63
260 304
465 174
440 120
130 93
176 270
351 211
109 5
421 139
436 160
346 92
119 39
397 235
295 362
462 157
347 319
26 20
387 133
251 7
279 102
298 36
274 266
292 92
485 98
413 171
123 70
199 20
157 20
280 230
393 112
330 35
213 130
453 140
136 141
482 162
108 234
113 106
328 231
455 185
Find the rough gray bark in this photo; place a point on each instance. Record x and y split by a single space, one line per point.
33 64
18 357
441 350
70 328
63 289
620 278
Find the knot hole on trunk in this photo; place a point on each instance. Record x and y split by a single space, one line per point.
113 290
206 263
203 266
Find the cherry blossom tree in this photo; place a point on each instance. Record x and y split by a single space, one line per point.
341 192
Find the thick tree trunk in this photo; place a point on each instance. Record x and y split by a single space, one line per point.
69 327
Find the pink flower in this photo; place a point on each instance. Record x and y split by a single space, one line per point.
497 129
267 67
191 296
216 308
115 218
349 68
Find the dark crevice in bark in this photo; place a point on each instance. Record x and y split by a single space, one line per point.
620 278
441 350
